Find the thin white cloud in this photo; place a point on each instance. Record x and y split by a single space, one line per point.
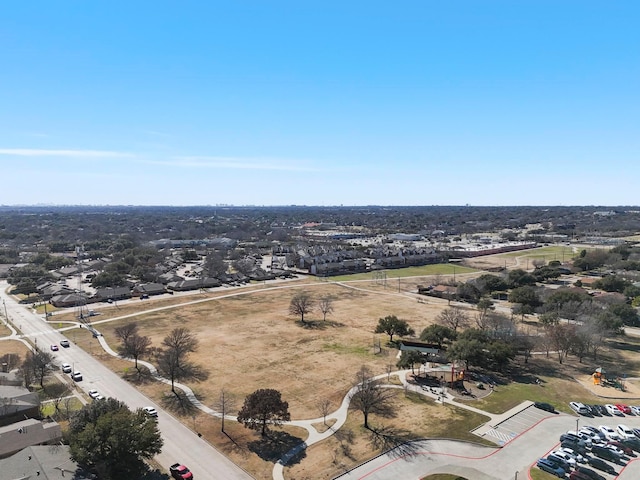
236 163
36 152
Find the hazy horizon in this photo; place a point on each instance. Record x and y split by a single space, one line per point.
495 103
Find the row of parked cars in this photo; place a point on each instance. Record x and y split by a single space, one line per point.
607 410
592 446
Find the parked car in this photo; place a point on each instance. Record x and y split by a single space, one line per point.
635 410
573 454
604 411
626 449
66 368
594 436
582 436
615 449
575 447
579 408
76 376
575 475
569 460
65 343
608 432
613 410
573 438
632 443
592 474
601 465
623 408
559 462
595 410
180 472
54 348
625 432
605 453
550 467
545 406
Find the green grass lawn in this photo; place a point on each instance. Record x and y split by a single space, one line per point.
555 252
552 390
435 269
537 474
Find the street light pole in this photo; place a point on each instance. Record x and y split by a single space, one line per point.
577 422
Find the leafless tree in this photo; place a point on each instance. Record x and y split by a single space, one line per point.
324 407
225 403
138 346
562 338
126 331
173 361
453 317
11 359
326 306
369 397
301 304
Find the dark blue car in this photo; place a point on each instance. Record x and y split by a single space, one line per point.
550 467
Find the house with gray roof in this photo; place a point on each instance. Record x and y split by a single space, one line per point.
23 434
52 462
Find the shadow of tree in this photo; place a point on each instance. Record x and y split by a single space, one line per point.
138 377
318 324
178 403
273 446
398 442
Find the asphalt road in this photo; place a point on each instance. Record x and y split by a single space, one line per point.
180 444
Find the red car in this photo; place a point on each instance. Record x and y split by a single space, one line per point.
180 472
623 408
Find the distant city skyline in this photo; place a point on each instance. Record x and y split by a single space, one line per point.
330 103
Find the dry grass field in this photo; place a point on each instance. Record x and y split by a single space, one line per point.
250 341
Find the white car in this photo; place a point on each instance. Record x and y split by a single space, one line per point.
95 394
575 455
152 412
579 408
635 409
76 376
566 457
595 436
66 368
609 432
613 410
625 432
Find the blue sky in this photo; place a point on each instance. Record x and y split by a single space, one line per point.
520 102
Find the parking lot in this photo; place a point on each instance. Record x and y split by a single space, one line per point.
512 426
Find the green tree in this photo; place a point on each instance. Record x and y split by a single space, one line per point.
263 407
625 312
467 350
612 283
392 325
438 334
488 284
409 358
111 440
526 295
519 277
